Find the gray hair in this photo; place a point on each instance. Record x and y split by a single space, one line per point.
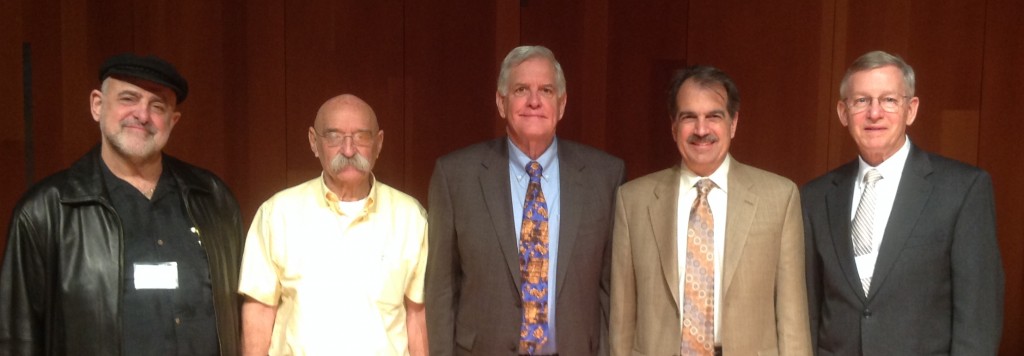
878 59
521 54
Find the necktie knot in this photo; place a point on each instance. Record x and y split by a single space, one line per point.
704 186
534 170
872 176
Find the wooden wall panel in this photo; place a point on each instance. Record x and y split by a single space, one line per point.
255 101
776 65
999 150
946 63
12 127
646 43
450 80
42 31
577 32
260 69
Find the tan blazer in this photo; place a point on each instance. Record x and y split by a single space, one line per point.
764 300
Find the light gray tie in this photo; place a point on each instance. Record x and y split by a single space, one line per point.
863 221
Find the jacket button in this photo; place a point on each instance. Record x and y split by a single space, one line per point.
867 314
160 242
177 321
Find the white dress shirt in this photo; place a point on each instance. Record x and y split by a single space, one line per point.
717 199
885 194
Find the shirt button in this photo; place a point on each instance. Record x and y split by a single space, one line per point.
160 242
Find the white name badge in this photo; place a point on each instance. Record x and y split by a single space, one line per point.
156 276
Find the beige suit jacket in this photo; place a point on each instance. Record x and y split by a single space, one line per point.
764 300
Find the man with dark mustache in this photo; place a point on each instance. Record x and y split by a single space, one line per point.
128 251
707 256
335 265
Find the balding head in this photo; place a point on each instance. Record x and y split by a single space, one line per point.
345 103
347 140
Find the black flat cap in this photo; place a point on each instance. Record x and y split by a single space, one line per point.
150 68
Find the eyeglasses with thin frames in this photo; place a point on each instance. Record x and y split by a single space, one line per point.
889 103
335 139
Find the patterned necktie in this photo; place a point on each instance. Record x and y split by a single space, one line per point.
699 291
863 221
533 264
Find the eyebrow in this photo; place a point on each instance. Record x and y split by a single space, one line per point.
694 113
138 94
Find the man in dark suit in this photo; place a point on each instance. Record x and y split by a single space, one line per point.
520 229
902 255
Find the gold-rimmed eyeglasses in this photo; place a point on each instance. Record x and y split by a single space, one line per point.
334 138
889 103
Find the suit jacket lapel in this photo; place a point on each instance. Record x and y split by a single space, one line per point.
494 184
742 203
839 202
571 185
662 212
911 198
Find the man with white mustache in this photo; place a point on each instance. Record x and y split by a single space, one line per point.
129 251
335 265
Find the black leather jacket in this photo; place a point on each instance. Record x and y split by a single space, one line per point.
61 282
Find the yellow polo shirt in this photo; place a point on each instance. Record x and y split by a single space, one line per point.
339 283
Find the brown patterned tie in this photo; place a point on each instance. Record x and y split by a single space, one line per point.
698 333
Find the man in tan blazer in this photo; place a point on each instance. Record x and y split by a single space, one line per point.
745 293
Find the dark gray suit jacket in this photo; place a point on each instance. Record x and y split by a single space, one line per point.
937 288
473 302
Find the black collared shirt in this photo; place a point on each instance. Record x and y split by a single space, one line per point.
178 321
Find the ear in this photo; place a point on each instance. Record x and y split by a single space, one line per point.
841 110
675 126
95 102
174 120
312 142
379 145
561 105
500 102
912 111
732 126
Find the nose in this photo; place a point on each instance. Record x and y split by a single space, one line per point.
875 111
700 127
533 100
348 146
142 114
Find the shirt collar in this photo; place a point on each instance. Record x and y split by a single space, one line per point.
891 168
720 176
330 200
518 160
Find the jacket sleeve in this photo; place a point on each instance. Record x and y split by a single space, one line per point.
623 310
791 283
441 287
977 274
23 288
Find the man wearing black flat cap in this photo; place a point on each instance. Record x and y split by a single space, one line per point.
129 251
